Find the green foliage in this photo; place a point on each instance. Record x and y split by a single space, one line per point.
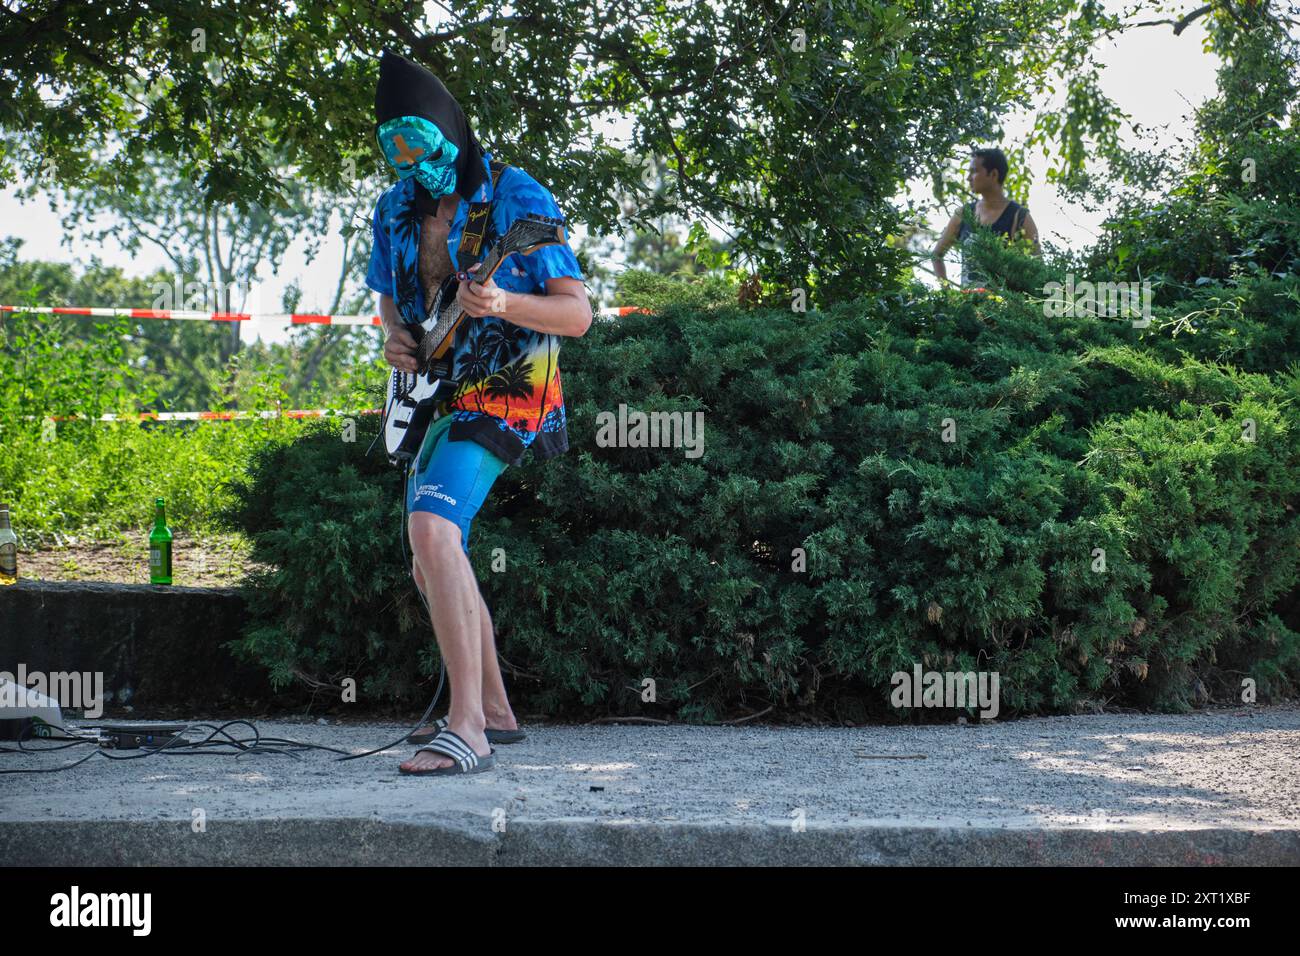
775 118
1228 207
176 365
824 433
99 479
1006 265
66 473
1210 476
655 291
337 600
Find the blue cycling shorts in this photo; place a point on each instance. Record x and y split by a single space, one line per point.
451 479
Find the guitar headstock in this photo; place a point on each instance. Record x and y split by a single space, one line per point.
525 236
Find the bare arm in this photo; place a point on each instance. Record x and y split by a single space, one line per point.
387 312
399 344
1029 228
946 239
563 310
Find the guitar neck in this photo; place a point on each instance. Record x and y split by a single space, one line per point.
488 267
450 315
436 340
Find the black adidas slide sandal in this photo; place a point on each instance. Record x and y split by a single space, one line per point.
493 736
449 744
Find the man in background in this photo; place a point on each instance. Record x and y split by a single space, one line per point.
994 210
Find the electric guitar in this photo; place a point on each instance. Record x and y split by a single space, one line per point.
412 396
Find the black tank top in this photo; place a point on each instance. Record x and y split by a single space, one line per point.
1002 226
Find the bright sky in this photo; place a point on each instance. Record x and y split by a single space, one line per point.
1154 76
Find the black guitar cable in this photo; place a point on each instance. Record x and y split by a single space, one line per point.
179 746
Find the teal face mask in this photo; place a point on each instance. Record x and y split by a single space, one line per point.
415 147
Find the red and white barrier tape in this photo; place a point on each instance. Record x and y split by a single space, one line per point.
217 416
287 318
291 318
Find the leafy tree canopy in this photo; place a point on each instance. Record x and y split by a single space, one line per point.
792 124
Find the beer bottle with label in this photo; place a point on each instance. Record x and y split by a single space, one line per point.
160 547
8 549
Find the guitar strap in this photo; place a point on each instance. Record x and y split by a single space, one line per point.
477 223
435 347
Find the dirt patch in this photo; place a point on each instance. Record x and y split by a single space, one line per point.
207 561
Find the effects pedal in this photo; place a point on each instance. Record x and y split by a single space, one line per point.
120 737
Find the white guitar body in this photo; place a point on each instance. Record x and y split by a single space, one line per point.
412 396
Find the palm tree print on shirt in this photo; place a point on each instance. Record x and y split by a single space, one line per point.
513 381
408 293
554 420
511 371
473 366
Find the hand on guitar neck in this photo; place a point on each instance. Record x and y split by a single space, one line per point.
480 297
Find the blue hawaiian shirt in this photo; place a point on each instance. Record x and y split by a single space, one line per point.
509 398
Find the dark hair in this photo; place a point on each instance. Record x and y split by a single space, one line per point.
993 160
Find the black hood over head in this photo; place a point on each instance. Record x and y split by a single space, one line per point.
408 89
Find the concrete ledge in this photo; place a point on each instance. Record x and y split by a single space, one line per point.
282 842
369 842
155 645
1206 789
578 843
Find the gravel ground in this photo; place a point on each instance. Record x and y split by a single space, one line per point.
1230 769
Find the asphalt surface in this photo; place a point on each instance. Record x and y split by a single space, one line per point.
1218 787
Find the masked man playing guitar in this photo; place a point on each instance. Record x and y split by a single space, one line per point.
451 202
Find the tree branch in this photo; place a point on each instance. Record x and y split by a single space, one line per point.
1179 25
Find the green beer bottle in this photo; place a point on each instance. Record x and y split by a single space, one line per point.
8 549
160 547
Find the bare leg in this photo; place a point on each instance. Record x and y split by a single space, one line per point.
496 705
453 597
